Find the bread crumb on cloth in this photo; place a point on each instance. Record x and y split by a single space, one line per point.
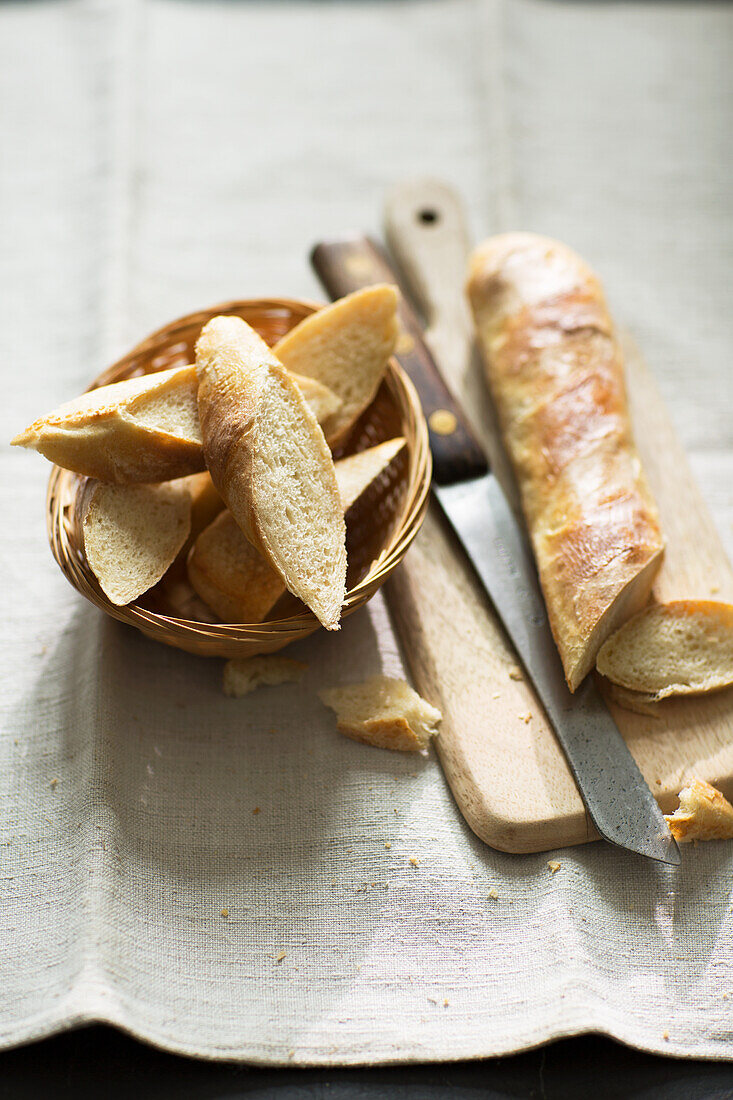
554 865
493 893
243 675
703 814
384 712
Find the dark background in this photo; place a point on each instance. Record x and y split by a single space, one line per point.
100 1062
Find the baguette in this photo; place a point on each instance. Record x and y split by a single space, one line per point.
345 346
555 371
132 534
140 430
270 462
680 648
233 578
383 712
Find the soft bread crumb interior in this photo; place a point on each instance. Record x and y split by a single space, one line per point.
132 533
672 649
299 516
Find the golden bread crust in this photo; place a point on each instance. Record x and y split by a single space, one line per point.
555 371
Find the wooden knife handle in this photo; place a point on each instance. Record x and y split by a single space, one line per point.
344 266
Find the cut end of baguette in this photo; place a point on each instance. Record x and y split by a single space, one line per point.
132 534
345 346
384 712
269 460
703 814
245 675
633 595
680 648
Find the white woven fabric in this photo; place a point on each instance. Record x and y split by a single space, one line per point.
159 156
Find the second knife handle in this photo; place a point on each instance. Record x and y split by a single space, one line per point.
344 266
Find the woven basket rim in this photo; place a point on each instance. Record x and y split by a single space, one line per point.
63 485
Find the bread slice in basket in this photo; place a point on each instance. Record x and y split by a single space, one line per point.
132 533
139 430
345 346
270 462
229 574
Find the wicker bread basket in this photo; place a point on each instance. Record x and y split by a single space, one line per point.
380 526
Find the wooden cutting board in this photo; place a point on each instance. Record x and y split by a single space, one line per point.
507 773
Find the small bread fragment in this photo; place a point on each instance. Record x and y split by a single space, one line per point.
346 346
241 676
680 648
141 430
703 814
384 712
270 462
132 533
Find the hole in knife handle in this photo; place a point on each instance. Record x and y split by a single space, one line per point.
428 216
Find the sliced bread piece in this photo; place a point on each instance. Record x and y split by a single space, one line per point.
680 648
346 346
141 430
703 814
271 464
241 676
132 533
384 712
233 578
356 472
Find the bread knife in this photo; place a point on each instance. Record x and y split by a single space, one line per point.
615 794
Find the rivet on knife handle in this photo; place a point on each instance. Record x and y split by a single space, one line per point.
345 266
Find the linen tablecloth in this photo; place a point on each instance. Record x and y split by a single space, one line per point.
162 155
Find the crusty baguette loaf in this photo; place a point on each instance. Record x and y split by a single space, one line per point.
233 578
346 346
270 462
703 814
384 712
680 648
555 371
142 430
241 676
132 533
